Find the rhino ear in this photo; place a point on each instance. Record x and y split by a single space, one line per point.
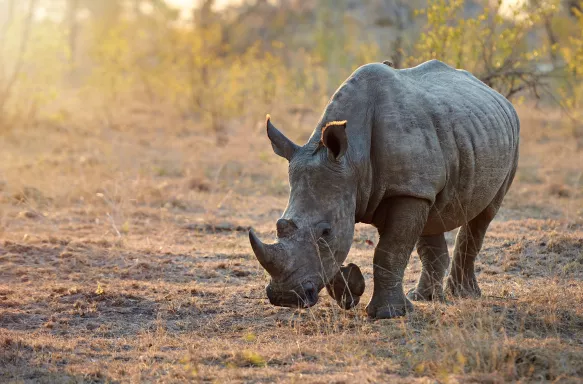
282 146
347 286
335 139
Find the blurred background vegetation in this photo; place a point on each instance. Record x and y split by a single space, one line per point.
219 63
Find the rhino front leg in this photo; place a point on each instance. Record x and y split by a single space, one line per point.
400 221
434 257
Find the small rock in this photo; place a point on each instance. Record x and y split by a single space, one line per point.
28 214
92 326
49 325
198 184
240 273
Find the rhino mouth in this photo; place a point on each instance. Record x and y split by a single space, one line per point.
305 295
346 288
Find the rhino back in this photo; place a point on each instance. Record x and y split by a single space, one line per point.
431 132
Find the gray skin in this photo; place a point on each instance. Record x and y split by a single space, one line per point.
422 151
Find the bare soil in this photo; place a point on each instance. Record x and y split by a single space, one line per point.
124 257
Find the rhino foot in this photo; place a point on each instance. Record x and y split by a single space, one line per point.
467 288
434 294
347 286
390 309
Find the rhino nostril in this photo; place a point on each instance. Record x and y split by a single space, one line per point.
310 294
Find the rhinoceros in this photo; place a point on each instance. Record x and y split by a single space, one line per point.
415 152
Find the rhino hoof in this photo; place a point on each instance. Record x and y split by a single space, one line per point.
387 306
465 289
347 286
415 295
389 311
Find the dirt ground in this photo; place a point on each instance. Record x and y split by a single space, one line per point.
124 257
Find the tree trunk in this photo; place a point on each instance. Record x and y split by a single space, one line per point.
72 6
11 80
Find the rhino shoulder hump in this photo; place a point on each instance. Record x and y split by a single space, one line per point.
434 66
374 70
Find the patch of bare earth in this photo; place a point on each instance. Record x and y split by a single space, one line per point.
124 258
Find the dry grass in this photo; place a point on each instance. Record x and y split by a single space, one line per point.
125 259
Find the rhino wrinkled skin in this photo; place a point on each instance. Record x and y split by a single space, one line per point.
415 152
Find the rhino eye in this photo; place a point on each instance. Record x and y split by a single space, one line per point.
324 229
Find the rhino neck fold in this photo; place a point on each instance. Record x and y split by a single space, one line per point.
355 101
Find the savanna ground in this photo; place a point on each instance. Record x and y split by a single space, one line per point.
125 258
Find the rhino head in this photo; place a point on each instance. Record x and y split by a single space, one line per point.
315 232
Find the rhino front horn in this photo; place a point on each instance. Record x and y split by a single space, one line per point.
258 247
260 251
270 256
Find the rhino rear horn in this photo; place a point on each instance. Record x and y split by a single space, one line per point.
282 146
285 227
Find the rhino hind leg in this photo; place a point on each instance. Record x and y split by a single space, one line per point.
434 257
462 281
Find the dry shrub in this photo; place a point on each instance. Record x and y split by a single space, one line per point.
502 347
565 243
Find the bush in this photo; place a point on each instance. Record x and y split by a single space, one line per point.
490 45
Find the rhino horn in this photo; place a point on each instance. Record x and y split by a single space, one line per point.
265 254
